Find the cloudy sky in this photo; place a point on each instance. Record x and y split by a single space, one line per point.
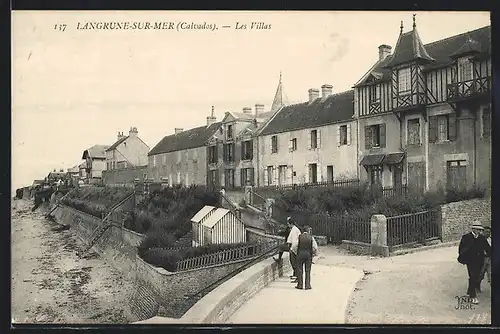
76 88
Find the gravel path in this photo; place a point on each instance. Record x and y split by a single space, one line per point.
418 288
51 284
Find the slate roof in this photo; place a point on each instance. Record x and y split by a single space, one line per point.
95 152
441 51
187 139
335 108
409 47
118 142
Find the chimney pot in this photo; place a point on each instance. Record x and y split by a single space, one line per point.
326 90
313 94
178 130
383 51
211 119
259 109
247 110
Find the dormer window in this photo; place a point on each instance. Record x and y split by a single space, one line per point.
404 80
465 71
229 133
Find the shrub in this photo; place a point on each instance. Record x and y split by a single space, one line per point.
96 200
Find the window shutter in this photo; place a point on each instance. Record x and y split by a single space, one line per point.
318 138
289 174
275 175
338 135
368 137
348 134
290 145
242 150
224 152
433 121
309 143
452 127
309 173
251 176
382 135
242 179
320 175
250 149
266 177
271 144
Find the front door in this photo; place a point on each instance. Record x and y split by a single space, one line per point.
329 174
397 176
416 176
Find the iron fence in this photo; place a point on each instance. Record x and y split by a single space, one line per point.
413 227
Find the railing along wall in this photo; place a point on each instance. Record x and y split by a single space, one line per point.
413 227
225 256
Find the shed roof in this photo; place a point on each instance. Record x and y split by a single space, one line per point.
206 210
215 217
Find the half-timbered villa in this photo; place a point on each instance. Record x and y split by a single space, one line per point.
424 112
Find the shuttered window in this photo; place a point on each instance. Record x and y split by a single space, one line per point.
375 136
442 128
404 80
342 135
247 150
274 144
413 132
456 175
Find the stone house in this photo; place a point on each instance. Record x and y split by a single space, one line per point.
95 162
424 112
181 158
309 142
127 152
232 150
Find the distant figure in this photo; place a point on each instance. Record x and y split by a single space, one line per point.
269 207
487 260
306 248
293 238
472 250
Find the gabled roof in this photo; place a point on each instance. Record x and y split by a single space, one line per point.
469 47
215 217
118 142
95 152
204 212
185 140
335 108
441 51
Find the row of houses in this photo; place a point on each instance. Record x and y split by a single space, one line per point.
421 116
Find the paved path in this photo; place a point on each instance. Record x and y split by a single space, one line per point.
281 303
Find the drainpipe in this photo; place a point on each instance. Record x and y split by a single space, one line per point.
475 144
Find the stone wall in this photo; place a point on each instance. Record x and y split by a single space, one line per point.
123 176
457 217
158 290
259 236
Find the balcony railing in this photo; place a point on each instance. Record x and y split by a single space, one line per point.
469 88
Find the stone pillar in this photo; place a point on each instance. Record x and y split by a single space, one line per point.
248 195
378 225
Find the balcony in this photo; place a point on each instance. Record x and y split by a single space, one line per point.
469 89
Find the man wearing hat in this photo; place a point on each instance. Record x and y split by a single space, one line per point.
472 250
293 238
487 260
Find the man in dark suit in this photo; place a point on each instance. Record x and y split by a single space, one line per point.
472 250
306 248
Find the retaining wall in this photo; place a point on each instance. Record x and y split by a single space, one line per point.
457 217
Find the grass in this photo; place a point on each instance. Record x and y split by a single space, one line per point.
96 201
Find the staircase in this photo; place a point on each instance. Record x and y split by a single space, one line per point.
104 225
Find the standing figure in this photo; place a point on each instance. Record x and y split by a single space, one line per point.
472 250
293 238
487 260
285 247
306 249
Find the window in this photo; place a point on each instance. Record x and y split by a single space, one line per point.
486 123
282 174
413 132
293 144
375 136
213 177
229 178
274 144
313 173
329 174
456 175
376 175
114 163
247 150
270 174
154 161
343 135
374 93
404 80
212 154
165 160
179 156
178 177
247 176
228 152
465 71
314 139
229 132
442 128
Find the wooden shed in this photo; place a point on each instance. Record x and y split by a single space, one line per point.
222 226
197 222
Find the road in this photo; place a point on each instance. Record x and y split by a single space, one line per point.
51 284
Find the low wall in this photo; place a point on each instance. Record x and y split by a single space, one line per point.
259 236
160 291
118 246
457 217
356 247
123 176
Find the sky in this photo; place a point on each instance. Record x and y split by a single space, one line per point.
74 88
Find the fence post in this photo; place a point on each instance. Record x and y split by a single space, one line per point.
248 195
378 226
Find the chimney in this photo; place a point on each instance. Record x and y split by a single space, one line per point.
211 119
61 170
178 130
313 94
247 110
384 51
259 109
133 132
326 90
